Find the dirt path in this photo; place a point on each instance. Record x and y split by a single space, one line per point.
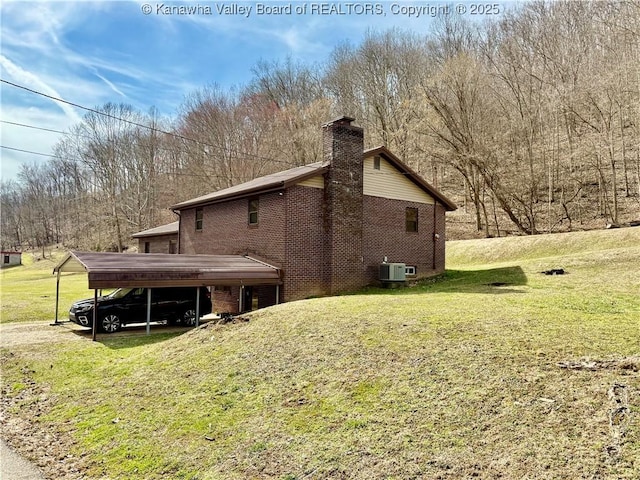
16 334
28 451
33 333
15 467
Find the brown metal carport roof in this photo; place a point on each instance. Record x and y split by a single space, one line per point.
109 270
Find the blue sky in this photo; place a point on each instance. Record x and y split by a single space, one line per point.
93 52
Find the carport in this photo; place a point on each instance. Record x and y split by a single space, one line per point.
149 270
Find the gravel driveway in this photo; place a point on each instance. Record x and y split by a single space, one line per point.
15 467
15 334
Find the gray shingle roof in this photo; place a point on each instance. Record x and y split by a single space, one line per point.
168 229
273 181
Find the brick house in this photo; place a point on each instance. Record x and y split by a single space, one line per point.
327 226
162 239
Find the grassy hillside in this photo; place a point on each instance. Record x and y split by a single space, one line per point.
493 370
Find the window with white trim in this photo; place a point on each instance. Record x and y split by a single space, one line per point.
254 203
199 219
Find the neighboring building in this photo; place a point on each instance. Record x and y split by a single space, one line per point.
162 239
10 259
327 226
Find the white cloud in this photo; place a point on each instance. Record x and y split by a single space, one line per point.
111 85
31 80
24 138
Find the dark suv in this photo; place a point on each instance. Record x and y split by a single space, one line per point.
129 305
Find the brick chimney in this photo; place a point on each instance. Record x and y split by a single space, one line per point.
343 146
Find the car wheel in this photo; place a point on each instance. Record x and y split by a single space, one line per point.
110 323
188 318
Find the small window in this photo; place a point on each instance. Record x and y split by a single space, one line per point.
410 270
199 216
412 219
173 246
6 259
376 162
147 247
253 211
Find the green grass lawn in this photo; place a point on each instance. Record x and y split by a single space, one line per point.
457 377
28 291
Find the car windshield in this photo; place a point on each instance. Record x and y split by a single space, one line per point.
119 293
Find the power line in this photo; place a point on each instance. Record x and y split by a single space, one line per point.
77 134
181 174
140 125
33 127
28 151
153 129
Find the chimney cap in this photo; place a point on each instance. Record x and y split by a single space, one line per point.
344 120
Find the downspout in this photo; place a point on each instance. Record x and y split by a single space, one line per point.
148 311
197 307
177 212
435 234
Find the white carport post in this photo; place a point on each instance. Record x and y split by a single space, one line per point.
197 306
95 315
148 311
56 322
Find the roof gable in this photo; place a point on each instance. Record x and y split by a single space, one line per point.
412 175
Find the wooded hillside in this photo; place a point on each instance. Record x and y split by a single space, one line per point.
530 123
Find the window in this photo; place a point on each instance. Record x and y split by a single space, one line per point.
410 270
173 246
412 219
6 259
253 211
199 217
376 162
147 247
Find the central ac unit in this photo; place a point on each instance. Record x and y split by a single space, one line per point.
393 272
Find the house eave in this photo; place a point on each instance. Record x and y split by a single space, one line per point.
251 192
226 198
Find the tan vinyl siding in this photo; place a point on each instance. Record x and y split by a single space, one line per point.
388 182
314 182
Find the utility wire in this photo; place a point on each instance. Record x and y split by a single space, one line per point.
34 127
181 174
140 125
29 151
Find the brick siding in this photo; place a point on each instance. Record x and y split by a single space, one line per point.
304 267
226 230
157 244
385 235
226 300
